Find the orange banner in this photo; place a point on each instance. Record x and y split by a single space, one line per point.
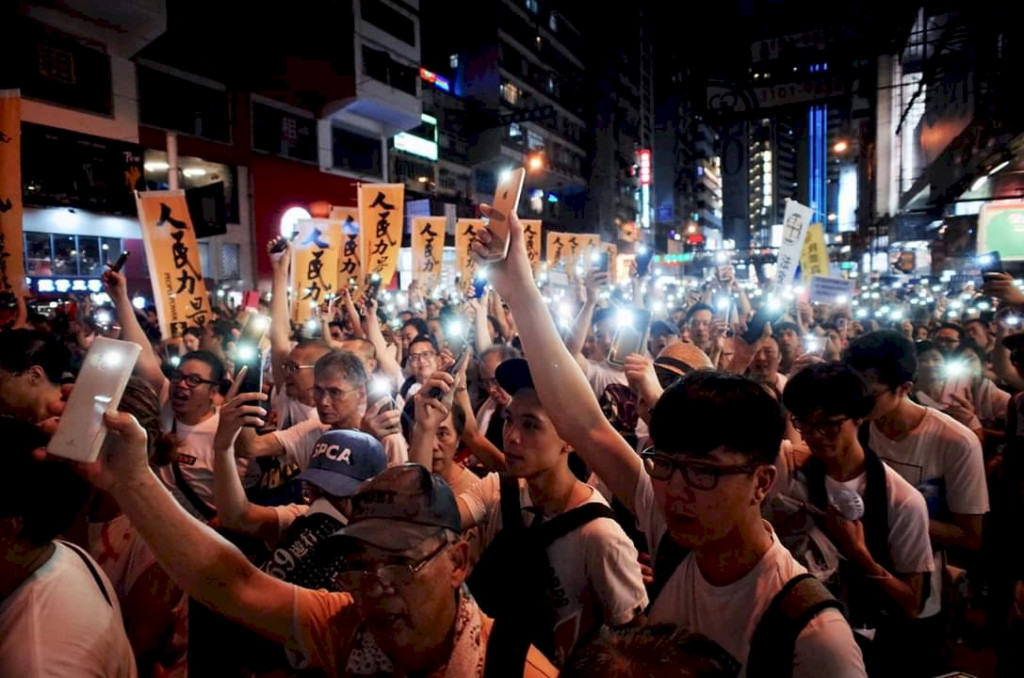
381 212
173 257
314 256
581 247
613 255
532 229
557 250
12 257
465 236
350 258
427 248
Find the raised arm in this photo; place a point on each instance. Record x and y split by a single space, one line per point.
561 385
355 323
498 313
481 333
201 562
584 319
280 322
386 362
148 365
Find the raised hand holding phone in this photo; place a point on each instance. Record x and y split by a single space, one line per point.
239 409
506 202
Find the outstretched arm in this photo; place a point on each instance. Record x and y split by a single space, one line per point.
280 346
148 365
560 383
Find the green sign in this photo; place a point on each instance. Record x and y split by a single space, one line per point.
1001 229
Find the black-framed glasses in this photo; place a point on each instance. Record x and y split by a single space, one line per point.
333 392
361 575
827 427
426 355
291 367
697 474
191 380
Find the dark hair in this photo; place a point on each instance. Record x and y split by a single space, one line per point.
832 388
211 359
887 352
695 309
784 325
425 338
650 652
343 364
142 402
419 324
976 320
972 347
22 349
46 495
926 345
195 332
698 414
950 326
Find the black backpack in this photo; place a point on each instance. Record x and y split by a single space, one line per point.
512 580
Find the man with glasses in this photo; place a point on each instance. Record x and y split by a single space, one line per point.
936 454
886 554
949 336
399 561
702 485
423 361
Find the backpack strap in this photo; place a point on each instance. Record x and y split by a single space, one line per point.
551 531
189 493
507 649
92 569
774 639
876 505
667 559
511 514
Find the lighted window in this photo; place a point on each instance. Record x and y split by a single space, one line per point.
553 23
510 93
531 5
453 61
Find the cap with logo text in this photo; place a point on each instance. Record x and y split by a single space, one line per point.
342 460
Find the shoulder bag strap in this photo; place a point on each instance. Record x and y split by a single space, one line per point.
92 570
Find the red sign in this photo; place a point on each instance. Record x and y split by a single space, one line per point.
643 161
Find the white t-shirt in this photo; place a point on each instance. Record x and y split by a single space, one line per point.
289 410
942 458
484 414
600 374
729 614
195 457
595 566
298 443
57 623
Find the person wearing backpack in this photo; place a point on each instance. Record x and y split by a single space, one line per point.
556 566
699 492
887 557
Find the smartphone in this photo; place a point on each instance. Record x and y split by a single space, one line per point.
281 243
460 360
631 335
380 388
119 264
990 262
723 307
756 326
479 285
249 354
373 287
505 204
643 260
105 372
601 261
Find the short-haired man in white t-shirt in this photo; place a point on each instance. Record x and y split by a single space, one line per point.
936 454
704 485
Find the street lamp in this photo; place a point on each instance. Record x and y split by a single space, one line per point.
535 162
841 146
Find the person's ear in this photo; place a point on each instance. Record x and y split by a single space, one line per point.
764 477
904 389
371 365
36 374
459 554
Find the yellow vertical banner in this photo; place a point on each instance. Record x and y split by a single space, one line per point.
381 217
427 248
532 229
12 257
350 258
465 236
173 258
557 251
581 247
315 253
613 255
814 257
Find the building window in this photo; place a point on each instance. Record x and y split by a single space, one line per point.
230 261
355 153
551 83
531 5
510 93
65 255
389 20
173 103
453 61
55 67
38 259
514 130
379 65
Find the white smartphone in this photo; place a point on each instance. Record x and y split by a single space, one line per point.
100 384
506 202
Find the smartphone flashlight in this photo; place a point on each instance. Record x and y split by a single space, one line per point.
624 317
246 353
723 303
380 387
455 329
955 368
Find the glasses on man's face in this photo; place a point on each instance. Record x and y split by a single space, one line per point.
828 428
332 392
697 474
291 367
191 380
360 576
421 357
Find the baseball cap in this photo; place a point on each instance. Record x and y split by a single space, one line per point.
679 360
513 375
660 328
342 460
399 510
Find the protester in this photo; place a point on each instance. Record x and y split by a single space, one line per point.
663 335
654 651
791 345
32 365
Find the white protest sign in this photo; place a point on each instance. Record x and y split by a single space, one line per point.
794 231
825 290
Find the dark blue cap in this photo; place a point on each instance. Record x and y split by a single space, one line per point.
342 460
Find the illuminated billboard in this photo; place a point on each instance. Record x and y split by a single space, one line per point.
422 141
1001 229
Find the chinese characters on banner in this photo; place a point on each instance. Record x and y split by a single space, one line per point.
173 258
582 247
794 230
314 260
531 233
557 252
814 259
427 248
350 258
381 217
12 260
613 256
465 236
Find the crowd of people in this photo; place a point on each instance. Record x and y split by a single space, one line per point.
436 483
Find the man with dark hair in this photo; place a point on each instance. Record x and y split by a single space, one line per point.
791 345
886 554
764 367
652 651
412 328
59 614
698 324
32 365
663 335
980 332
939 456
948 336
422 362
697 492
